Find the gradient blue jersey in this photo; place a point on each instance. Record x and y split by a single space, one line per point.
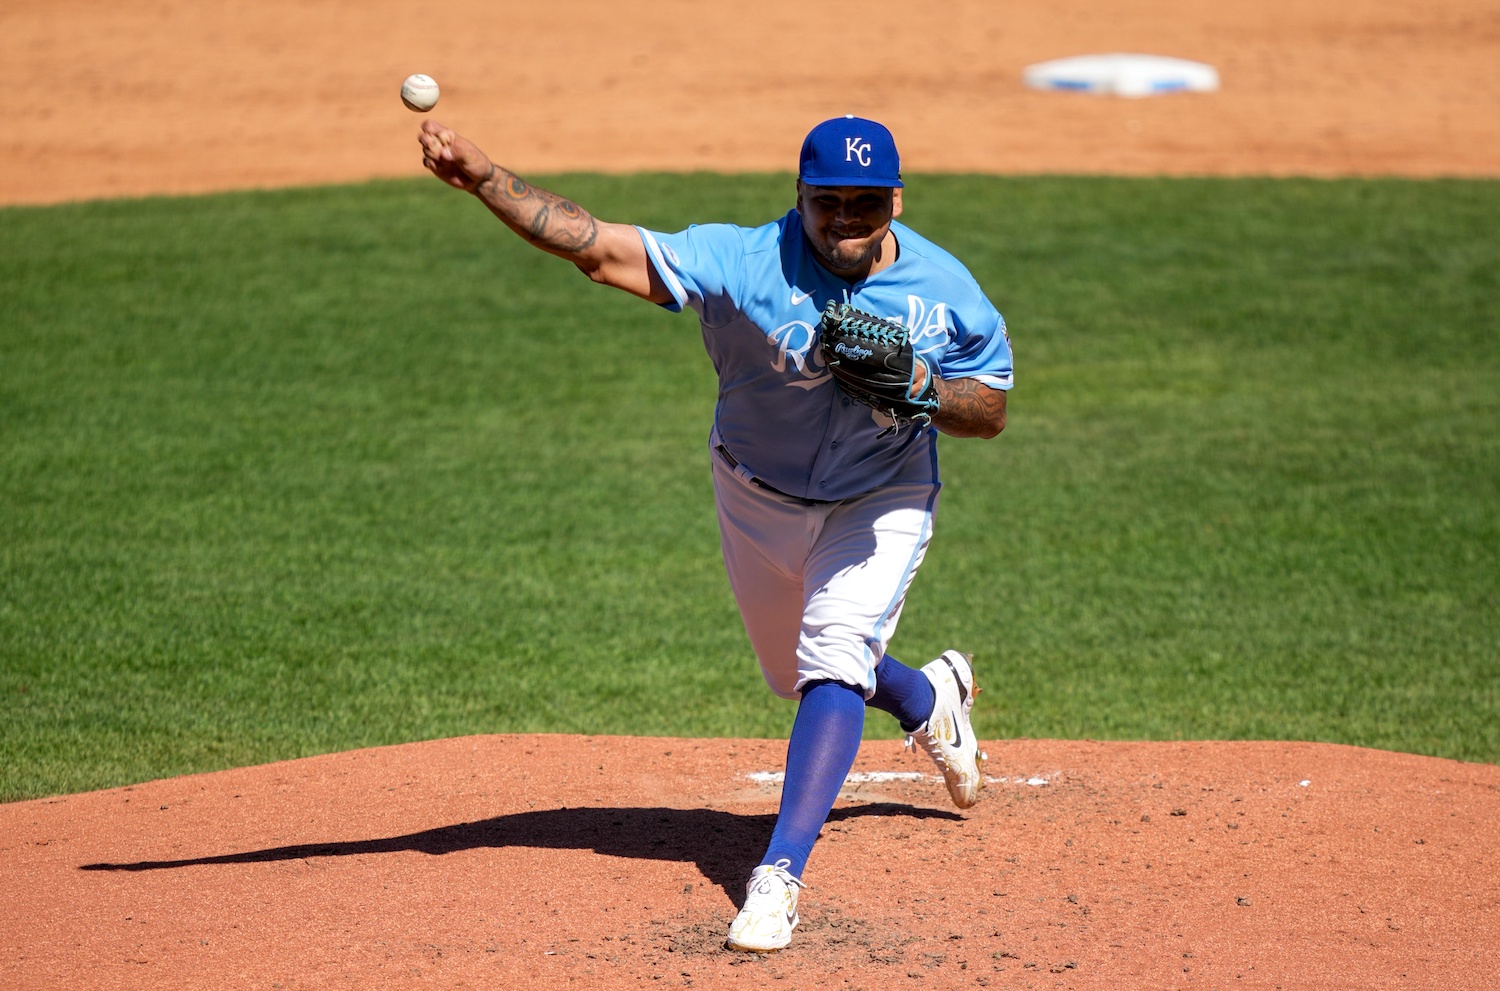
758 293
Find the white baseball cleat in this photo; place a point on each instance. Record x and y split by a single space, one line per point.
766 922
947 736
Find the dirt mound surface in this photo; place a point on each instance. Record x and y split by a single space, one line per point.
602 862
122 97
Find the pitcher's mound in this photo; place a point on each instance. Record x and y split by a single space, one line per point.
607 862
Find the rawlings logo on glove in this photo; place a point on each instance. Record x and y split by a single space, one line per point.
852 351
873 361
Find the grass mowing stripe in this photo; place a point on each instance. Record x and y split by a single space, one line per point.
290 472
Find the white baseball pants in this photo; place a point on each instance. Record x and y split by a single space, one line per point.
820 586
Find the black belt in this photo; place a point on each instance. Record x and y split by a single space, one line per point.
731 462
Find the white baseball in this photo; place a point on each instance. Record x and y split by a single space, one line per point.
419 92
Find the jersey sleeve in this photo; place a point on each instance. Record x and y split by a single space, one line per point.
703 268
980 350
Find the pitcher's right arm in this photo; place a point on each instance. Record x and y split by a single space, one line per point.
611 254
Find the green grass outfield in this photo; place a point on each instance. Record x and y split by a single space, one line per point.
295 472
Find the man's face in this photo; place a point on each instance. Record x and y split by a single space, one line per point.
846 224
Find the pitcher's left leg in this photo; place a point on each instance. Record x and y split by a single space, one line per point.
824 743
856 580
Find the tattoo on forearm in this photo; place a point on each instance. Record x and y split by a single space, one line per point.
969 406
478 189
545 219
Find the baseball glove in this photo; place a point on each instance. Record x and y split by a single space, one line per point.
873 361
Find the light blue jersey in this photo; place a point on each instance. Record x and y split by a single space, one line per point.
759 292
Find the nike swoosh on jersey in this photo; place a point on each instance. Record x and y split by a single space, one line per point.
798 298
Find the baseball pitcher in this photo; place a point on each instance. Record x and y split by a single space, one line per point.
843 342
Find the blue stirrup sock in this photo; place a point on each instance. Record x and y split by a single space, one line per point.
825 740
903 692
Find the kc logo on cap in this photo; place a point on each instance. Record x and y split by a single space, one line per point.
850 151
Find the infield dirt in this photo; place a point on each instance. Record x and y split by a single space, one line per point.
559 861
605 862
128 98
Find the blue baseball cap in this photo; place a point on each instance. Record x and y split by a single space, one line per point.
850 151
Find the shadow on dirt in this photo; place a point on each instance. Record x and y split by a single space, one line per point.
719 843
